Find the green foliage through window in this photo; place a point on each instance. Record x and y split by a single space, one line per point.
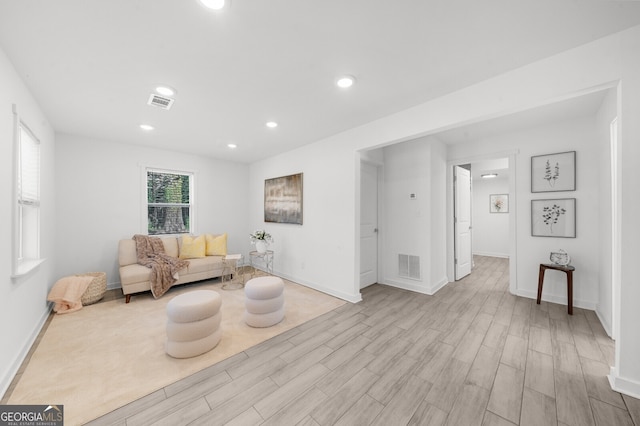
169 202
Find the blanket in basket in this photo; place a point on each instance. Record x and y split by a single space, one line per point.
67 293
164 268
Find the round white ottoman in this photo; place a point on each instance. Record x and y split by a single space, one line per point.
264 301
193 323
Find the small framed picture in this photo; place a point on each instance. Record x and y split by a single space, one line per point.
499 203
553 218
553 172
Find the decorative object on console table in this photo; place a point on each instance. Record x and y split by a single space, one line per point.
560 257
283 199
261 246
499 203
264 260
553 172
261 239
553 218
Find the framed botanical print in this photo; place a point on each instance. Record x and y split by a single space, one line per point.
553 218
499 203
553 172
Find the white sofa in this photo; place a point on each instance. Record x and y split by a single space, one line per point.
135 278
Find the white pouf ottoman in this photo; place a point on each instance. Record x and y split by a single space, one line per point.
264 301
193 323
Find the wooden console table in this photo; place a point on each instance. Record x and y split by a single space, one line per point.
567 270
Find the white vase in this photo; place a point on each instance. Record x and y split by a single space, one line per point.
261 246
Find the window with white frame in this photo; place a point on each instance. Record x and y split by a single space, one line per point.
27 216
169 202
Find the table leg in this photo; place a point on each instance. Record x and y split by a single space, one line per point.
540 281
570 292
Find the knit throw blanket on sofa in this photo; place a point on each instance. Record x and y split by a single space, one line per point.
164 268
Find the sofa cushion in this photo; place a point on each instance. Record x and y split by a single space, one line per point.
205 264
216 245
135 273
193 247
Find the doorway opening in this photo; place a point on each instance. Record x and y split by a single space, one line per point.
488 200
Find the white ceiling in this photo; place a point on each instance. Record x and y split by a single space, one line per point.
92 64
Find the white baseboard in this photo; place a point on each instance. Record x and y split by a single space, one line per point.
418 288
605 322
489 254
622 385
13 369
353 298
562 300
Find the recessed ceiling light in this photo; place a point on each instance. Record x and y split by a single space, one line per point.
272 124
345 81
214 4
489 175
232 145
146 127
165 90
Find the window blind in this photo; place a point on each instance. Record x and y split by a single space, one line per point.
29 173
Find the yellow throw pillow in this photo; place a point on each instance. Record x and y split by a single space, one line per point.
216 245
192 247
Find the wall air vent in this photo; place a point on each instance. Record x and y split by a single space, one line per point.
409 266
160 101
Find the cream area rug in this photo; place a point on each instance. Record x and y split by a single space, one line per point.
106 355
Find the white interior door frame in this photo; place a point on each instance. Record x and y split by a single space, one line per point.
616 236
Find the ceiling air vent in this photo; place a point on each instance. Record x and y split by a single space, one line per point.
160 101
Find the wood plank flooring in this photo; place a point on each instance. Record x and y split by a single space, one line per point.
473 354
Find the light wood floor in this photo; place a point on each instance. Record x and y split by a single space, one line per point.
473 354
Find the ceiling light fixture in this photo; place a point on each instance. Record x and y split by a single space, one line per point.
165 90
272 124
489 175
345 81
146 127
232 145
214 4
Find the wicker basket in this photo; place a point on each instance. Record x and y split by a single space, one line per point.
97 287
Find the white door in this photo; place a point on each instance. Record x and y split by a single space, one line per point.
368 225
462 222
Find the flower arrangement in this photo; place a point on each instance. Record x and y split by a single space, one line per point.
260 235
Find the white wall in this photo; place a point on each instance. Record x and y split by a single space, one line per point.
24 305
438 210
490 230
407 223
100 192
410 226
320 252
